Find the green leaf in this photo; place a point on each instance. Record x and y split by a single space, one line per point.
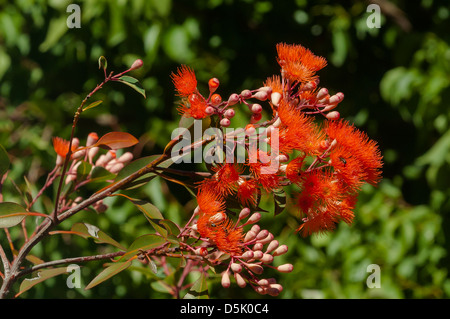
83 170
92 105
144 242
90 231
199 290
133 83
9 214
40 277
108 272
4 160
279 197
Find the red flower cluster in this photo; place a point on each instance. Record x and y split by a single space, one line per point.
326 158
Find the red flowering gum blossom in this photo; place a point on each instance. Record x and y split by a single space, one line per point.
184 81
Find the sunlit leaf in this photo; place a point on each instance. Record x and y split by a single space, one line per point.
90 231
92 105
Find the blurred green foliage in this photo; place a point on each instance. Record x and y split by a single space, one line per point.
396 86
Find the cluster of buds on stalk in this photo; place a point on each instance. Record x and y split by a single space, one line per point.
92 158
246 262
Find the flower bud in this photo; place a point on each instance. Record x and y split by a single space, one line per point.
254 218
91 139
262 234
116 168
275 98
246 94
255 268
125 158
337 98
272 246
255 118
255 228
137 64
233 99
225 122
261 95
256 108
267 258
280 250
258 246
213 84
240 280
267 239
217 218
334 115
216 99
285 268
225 280
230 113
249 236
323 92
244 213
235 267
257 254
247 255
209 110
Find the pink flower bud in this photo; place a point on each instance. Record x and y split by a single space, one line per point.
246 94
323 92
258 246
262 234
230 113
235 267
240 280
267 239
254 218
209 110
233 99
244 213
125 158
255 228
334 115
257 269
249 236
213 84
247 255
225 280
217 218
258 254
280 250
261 95
275 98
116 168
267 258
255 118
272 246
137 64
285 268
91 139
225 122
337 98
256 108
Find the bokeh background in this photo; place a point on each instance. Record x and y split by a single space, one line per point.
397 89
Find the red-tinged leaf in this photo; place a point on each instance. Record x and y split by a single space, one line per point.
40 277
108 272
116 140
